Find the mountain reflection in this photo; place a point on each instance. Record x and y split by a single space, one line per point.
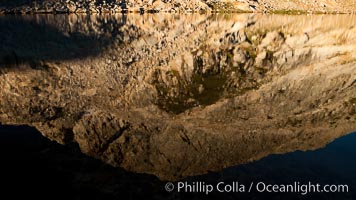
180 95
28 39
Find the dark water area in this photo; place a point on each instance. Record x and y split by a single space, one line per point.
25 41
35 167
334 164
174 97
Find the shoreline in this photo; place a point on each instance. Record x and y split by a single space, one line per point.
277 12
157 6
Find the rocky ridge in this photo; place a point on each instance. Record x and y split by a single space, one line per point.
181 95
119 6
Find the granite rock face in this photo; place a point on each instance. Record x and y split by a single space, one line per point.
181 6
180 95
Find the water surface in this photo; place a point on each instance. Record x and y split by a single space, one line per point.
40 168
178 96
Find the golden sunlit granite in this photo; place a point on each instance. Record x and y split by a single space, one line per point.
181 95
174 6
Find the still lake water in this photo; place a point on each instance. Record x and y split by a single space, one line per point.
37 167
68 75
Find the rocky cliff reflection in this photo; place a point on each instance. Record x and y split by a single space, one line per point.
27 39
180 95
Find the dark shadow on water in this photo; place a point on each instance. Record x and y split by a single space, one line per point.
12 3
334 164
33 38
33 166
